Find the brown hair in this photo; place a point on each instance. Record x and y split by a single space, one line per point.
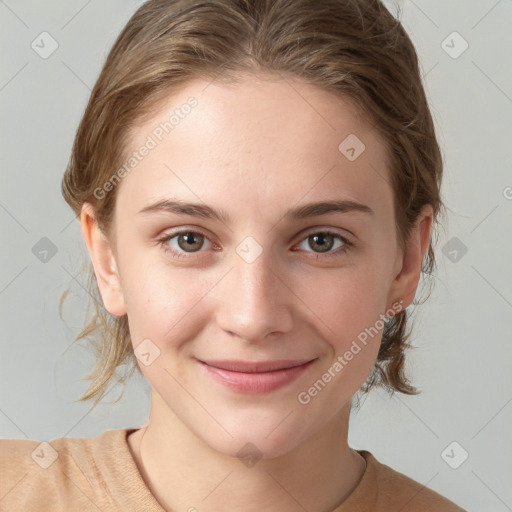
352 48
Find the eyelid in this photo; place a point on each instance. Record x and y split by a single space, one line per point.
348 244
343 233
166 237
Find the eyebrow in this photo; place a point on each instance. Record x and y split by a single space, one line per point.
302 212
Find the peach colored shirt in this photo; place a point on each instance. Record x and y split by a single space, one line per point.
100 474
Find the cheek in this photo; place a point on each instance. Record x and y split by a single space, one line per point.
163 304
346 301
349 312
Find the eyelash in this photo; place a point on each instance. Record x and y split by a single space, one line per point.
177 254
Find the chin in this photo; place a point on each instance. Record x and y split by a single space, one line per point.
255 447
252 441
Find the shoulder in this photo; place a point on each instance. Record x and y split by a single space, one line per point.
53 475
396 491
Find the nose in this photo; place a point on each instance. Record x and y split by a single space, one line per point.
255 300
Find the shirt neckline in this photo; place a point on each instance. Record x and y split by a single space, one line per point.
135 492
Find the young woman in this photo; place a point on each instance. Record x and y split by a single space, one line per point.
257 182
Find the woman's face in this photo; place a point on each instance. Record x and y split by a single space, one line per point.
258 274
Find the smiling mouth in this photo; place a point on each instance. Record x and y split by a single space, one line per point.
256 377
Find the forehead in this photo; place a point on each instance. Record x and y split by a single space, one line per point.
258 142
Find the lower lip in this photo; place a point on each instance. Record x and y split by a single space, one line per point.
263 382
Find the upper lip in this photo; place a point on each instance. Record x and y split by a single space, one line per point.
256 366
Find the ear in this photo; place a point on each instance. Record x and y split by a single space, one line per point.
409 261
104 263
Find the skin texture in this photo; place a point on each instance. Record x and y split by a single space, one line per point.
253 149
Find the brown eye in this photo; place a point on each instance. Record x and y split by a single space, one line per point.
190 241
184 242
322 242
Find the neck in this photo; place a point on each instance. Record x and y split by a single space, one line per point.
184 473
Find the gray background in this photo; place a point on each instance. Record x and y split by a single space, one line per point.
462 335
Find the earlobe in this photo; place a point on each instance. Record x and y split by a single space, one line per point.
406 280
103 261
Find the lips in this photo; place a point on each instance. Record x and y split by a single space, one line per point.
255 376
255 367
